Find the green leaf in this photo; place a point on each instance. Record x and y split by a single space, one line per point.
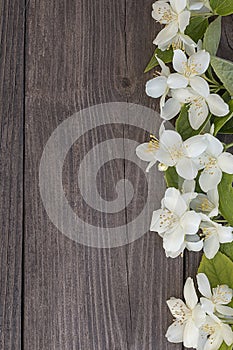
225 191
222 7
183 126
220 122
165 56
219 270
227 128
225 347
227 249
212 36
172 178
224 70
197 28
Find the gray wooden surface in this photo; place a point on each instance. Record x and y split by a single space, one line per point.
58 57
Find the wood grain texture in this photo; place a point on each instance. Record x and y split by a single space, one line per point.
11 170
80 54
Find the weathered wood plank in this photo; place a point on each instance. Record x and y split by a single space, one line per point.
76 297
11 170
80 54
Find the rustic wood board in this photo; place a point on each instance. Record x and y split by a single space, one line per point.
77 54
11 170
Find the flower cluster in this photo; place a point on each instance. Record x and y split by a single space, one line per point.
186 86
189 216
188 219
204 324
175 15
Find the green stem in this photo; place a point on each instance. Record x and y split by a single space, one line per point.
220 220
204 14
229 146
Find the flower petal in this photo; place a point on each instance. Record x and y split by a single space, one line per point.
227 334
214 342
215 147
204 285
187 41
184 95
175 332
191 334
183 20
171 109
198 112
170 138
190 222
195 145
178 5
156 87
177 308
173 240
211 246
165 70
166 35
225 162
174 202
210 178
224 310
145 152
194 246
222 294
199 85
207 305
217 105
190 294
200 61
186 168
198 316
195 5
179 61
177 81
188 186
225 234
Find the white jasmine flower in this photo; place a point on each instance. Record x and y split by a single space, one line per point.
215 300
213 235
214 161
174 222
212 334
206 203
174 152
200 102
189 317
176 18
159 87
189 69
147 151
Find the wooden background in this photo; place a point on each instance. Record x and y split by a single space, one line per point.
58 57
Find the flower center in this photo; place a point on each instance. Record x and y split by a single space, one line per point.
166 15
177 152
178 44
211 165
205 205
190 69
153 144
221 295
207 231
168 218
